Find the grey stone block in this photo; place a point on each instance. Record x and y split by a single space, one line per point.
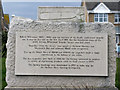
19 24
61 13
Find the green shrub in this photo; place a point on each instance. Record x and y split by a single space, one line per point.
3 73
0 73
118 73
3 51
4 41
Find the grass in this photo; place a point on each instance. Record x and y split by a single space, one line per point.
0 74
4 84
118 73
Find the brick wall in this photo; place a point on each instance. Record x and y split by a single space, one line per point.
91 17
111 18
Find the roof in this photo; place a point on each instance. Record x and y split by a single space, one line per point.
114 6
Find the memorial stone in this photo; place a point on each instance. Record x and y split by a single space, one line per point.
29 41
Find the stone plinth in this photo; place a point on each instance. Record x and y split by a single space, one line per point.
61 14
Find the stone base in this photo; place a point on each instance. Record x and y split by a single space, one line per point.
57 88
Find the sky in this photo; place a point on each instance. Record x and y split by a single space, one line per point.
41 0
29 9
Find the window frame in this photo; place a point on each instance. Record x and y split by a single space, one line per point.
101 16
117 39
117 17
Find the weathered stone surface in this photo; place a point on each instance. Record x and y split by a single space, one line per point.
60 88
19 24
61 13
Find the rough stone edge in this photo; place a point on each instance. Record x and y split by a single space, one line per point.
58 88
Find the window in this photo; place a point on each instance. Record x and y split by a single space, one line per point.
117 18
101 17
117 34
117 39
117 28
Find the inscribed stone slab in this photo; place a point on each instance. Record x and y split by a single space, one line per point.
47 53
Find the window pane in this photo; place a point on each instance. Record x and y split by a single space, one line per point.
116 20
117 29
105 19
96 19
105 15
100 19
100 15
117 39
96 15
116 15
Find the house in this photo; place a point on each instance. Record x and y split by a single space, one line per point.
103 11
4 19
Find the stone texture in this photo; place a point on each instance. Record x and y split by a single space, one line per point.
61 88
61 13
19 24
